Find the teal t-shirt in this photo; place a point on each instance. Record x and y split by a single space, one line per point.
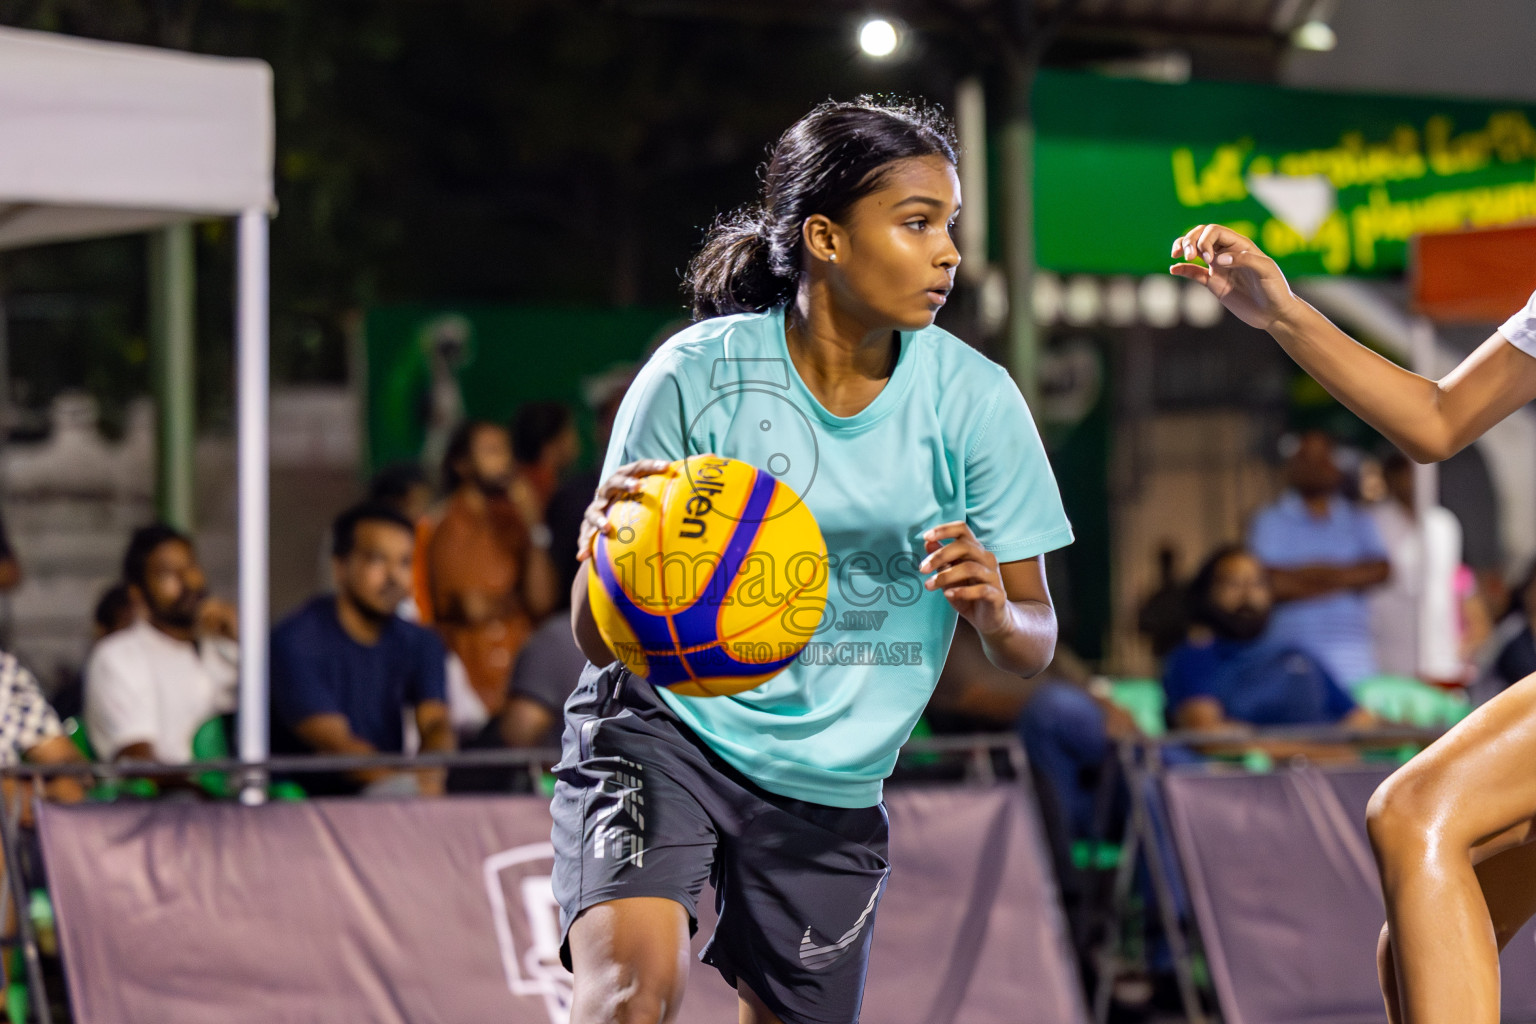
948 438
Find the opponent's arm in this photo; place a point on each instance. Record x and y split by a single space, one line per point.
1429 420
1008 603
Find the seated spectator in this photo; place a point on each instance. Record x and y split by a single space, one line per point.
1067 724
1229 676
1514 642
1416 616
10 567
116 610
490 576
568 506
544 445
547 670
404 487
151 686
1323 554
346 667
30 731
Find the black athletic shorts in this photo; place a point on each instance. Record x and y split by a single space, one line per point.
643 808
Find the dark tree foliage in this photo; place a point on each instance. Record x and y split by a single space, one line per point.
503 151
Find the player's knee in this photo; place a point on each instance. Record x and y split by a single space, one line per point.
1396 815
633 999
642 1004
646 990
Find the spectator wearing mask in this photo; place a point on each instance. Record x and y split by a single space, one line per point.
1322 554
489 576
1416 615
346 668
151 686
1230 675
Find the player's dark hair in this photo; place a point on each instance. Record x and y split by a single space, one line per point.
344 529
1198 594
392 484
459 445
143 544
534 425
827 161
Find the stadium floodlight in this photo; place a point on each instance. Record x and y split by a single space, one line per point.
879 38
1315 35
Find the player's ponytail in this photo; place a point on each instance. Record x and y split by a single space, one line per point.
734 271
826 162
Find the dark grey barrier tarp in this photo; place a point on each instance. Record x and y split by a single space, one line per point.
437 912
1285 893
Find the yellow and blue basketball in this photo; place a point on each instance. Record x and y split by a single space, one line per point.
712 580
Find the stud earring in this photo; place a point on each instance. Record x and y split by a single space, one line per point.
833 257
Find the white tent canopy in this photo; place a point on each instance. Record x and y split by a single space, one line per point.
102 139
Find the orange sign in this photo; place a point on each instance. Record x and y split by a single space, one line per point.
1478 277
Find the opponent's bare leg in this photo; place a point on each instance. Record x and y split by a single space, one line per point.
750 1009
1508 881
1466 800
630 959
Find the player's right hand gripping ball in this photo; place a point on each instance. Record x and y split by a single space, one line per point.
712 579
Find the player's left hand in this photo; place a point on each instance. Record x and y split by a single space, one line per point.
967 574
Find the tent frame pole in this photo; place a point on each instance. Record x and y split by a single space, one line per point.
252 384
172 298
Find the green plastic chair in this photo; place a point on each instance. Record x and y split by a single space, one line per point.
211 743
1411 702
106 790
1145 700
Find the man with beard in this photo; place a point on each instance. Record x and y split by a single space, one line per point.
151 686
489 574
1229 676
1322 553
346 668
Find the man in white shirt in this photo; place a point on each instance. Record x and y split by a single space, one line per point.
150 687
1415 617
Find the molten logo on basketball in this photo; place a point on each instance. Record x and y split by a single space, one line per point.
707 479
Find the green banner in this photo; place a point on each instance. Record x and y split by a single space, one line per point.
427 366
1326 183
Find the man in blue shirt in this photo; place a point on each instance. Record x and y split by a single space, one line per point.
1322 553
1229 674
345 667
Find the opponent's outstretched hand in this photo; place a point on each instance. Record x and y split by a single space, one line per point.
1246 281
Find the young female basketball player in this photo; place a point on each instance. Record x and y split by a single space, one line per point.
816 359
1452 829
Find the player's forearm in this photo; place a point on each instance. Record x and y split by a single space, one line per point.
583 625
1402 405
1027 642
